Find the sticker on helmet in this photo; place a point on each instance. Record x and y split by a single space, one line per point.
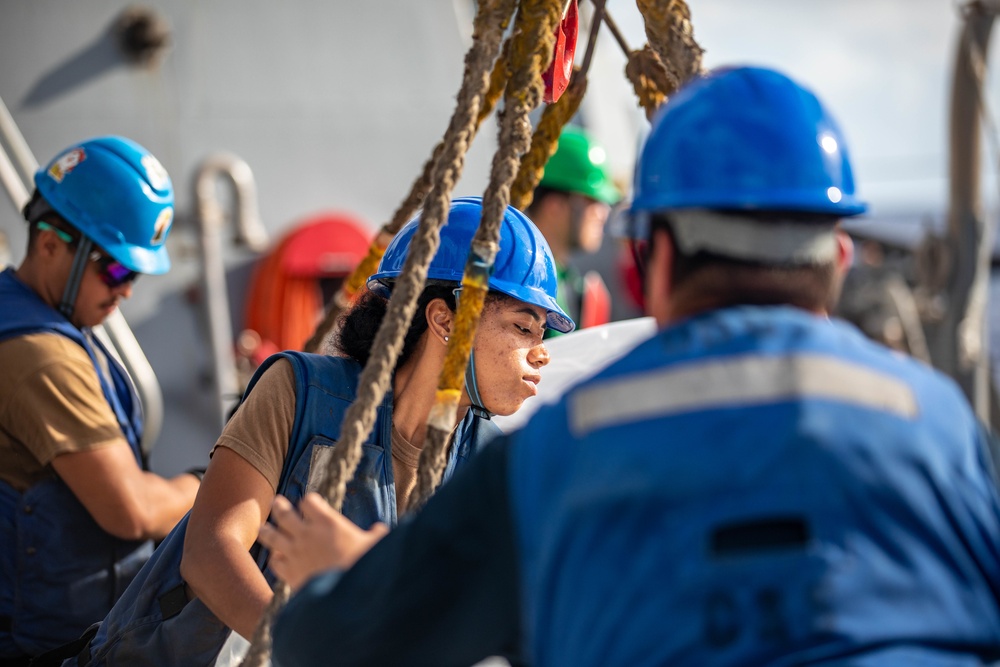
66 163
162 226
155 172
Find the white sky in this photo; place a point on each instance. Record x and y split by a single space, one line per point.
882 66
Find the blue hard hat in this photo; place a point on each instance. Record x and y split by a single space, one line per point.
745 138
116 193
524 267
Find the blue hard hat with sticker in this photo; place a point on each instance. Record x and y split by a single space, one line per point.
118 194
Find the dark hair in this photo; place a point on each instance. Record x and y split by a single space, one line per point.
38 210
360 324
541 192
721 282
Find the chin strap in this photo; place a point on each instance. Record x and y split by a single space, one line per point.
80 259
472 387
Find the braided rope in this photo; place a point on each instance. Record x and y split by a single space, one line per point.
344 296
498 83
490 23
531 52
669 31
544 142
649 79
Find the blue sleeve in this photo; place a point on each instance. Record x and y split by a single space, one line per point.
441 589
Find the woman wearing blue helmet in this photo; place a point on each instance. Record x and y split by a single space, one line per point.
208 576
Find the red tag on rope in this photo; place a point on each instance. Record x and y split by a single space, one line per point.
556 77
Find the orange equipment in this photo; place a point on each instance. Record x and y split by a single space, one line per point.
291 284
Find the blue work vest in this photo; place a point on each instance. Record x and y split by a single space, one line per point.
154 623
61 572
758 486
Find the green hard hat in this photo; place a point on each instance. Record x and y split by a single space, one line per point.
580 166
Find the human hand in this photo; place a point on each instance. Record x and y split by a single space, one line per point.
314 539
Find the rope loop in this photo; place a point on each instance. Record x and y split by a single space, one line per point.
670 34
649 79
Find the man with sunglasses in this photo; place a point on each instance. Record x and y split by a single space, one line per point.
77 509
754 485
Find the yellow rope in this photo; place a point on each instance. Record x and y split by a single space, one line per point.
531 52
544 142
498 82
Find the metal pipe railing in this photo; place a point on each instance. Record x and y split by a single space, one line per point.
250 232
12 182
23 158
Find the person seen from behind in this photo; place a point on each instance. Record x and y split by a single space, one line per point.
756 484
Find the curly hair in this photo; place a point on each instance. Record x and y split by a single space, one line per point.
360 324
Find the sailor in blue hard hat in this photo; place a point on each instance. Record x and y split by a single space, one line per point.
206 578
112 204
525 270
756 484
78 512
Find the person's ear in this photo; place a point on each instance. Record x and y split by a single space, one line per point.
659 282
47 243
440 319
845 251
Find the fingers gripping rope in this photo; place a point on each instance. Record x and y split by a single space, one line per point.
490 24
531 52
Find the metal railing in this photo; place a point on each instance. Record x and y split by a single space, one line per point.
249 231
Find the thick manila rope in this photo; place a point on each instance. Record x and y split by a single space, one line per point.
545 140
649 79
670 34
531 51
490 23
643 69
344 296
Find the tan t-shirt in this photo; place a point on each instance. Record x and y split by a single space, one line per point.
405 458
262 426
51 403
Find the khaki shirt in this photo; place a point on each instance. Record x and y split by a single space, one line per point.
262 427
51 403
